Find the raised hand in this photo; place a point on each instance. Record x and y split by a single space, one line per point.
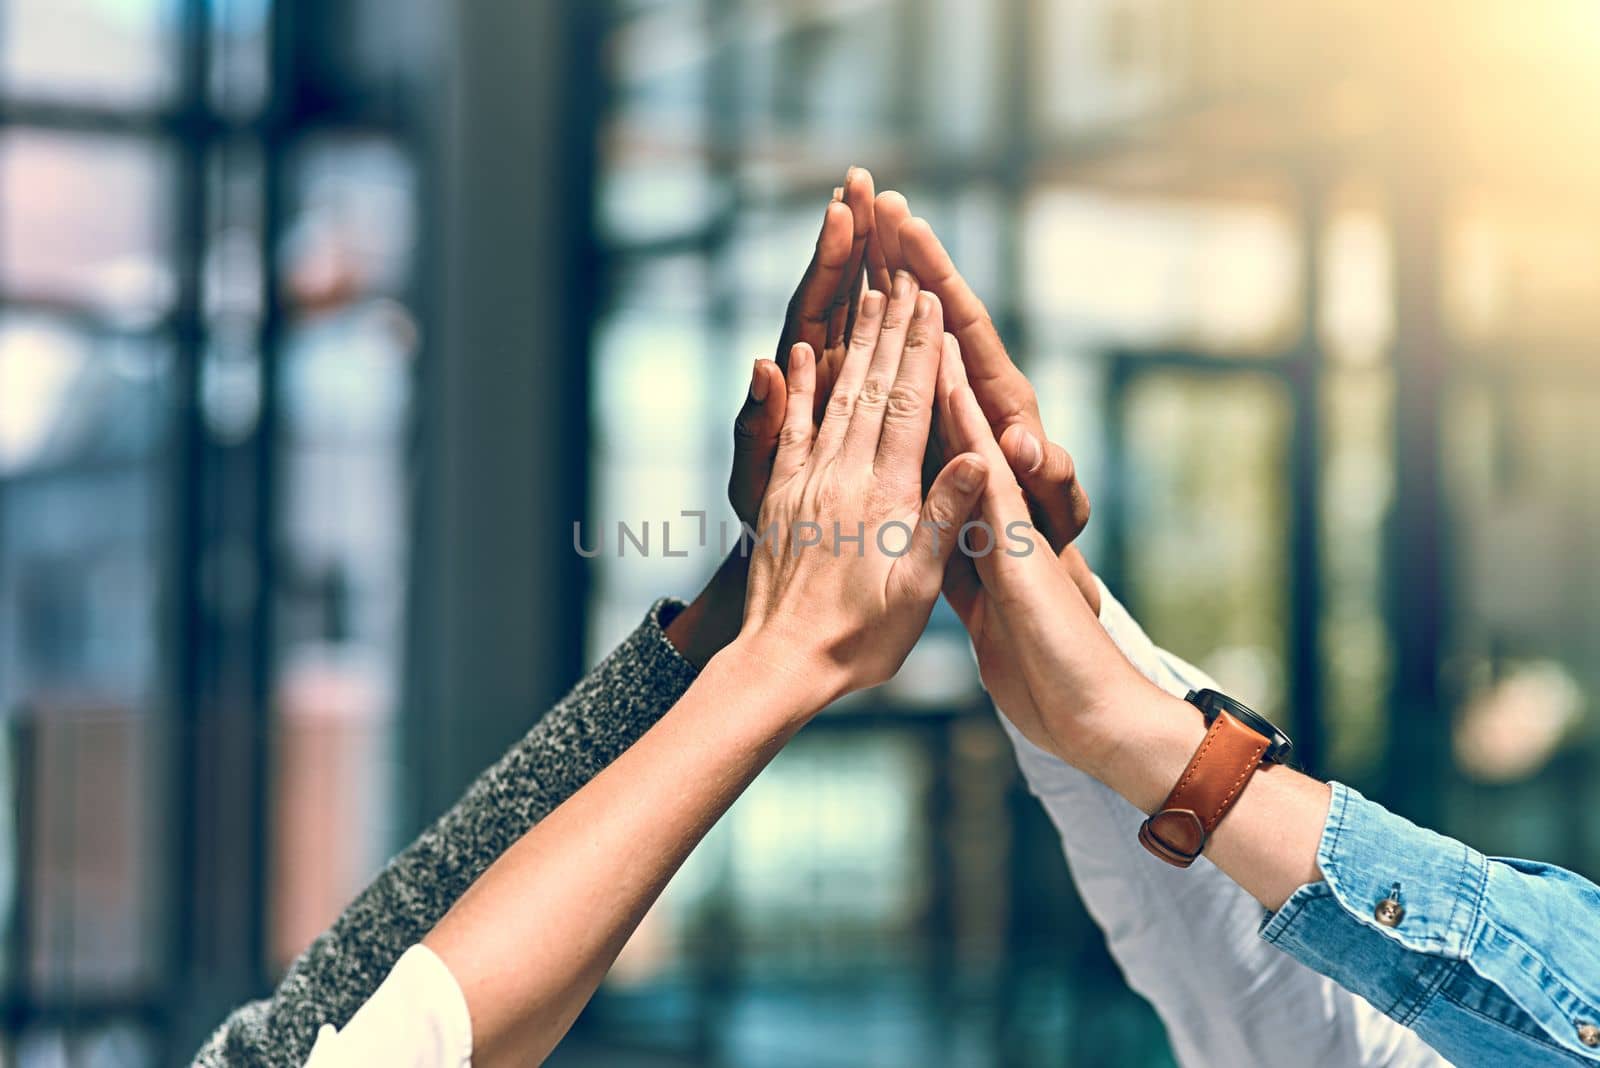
820 315
1045 470
1049 665
856 556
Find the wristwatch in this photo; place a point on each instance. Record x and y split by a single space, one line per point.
1237 742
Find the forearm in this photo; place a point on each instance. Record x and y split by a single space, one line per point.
600 718
532 939
1186 939
1268 842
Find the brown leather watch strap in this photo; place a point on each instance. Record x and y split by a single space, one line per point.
1209 786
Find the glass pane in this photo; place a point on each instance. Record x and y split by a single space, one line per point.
352 226
104 53
71 398
657 180
962 73
1101 64
1124 271
348 261
663 410
346 398
1525 642
79 674
1520 273
1357 295
820 73
240 67
819 872
232 293
86 219
1206 521
1357 491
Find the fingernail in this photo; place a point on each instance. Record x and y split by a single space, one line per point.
968 475
902 283
758 384
1030 452
924 306
838 192
849 176
872 304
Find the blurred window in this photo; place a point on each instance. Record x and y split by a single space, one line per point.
118 54
1193 225
208 339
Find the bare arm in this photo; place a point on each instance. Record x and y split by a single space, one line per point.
532 938
1093 710
529 942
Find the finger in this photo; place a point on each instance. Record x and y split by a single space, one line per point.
890 213
951 376
1003 392
920 572
848 374
857 194
908 410
969 432
828 364
843 320
961 582
812 303
866 420
1048 475
755 437
795 435
877 268
952 373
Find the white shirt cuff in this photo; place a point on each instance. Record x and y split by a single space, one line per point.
417 1018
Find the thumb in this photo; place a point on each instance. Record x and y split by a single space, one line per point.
950 501
755 439
1050 480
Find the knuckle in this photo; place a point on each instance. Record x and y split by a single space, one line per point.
791 435
841 404
942 512
906 402
744 428
874 394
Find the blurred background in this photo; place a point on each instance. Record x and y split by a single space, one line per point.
322 322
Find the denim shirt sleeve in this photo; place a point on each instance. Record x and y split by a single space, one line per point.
1492 961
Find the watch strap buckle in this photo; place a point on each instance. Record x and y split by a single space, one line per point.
1176 835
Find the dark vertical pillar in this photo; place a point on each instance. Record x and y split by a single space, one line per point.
498 596
222 568
1419 729
1304 697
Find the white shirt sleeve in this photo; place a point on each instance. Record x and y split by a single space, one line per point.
1187 940
417 1018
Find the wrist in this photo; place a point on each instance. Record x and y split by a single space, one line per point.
784 684
1139 743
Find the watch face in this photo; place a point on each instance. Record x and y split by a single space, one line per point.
1210 702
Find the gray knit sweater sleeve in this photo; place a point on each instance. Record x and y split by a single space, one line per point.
604 714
